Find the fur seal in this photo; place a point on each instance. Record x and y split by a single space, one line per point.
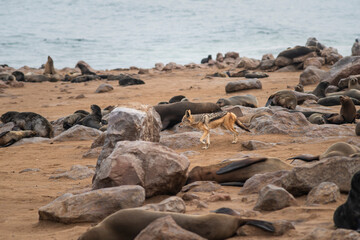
357 129
74 118
245 100
347 112
283 98
206 60
128 223
172 114
92 120
236 170
316 118
334 100
49 67
354 83
8 138
299 88
319 91
302 97
177 98
337 149
85 68
29 121
353 93
347 215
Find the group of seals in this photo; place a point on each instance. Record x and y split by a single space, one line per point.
81 117
347 112
29 121
347 215
235 172
172 114
126 224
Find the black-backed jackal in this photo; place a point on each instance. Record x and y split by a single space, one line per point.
207 121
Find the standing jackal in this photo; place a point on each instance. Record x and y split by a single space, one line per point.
207 121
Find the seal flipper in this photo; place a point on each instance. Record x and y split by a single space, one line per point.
306 157
269 101
11 142
267 226
239 164
235 184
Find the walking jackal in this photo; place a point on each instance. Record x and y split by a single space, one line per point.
207 121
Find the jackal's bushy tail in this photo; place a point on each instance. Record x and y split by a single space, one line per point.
241 125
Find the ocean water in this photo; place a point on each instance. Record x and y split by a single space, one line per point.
111 34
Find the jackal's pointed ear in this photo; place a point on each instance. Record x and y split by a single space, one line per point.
188 113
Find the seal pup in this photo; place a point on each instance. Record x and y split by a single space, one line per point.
337 149
283 98
347 112
206 60
8 138
92 120
126 224
49 66
236 170
347 215
316 118
245 100
29 121
172 114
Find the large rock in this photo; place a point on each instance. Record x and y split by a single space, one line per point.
165 228
78 133
248 63
330 55
325 192
343 68
274 198
303 58
92 206
281 228
157 168
104 88
314 61
312 75
130 124
313 42
171 204
181 140
282 61
239 85
77 172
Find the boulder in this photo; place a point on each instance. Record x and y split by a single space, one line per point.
325 192
267 64
159 66
330 55
165 228
233 55
181 140
130 124
77 172
171 204
219 57
312 75
143 71
239 85
255 145
157 168
326 234
201 186
248 63
314 61
273 198
78 133
220 65
355 49
281 227
104 88
282 61
313 42
92 206
31 141
290 68
345 67
302 58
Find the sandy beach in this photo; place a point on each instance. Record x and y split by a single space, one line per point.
22 194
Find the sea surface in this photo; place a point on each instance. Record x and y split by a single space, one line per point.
110 34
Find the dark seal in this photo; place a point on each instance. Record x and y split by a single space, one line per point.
347 215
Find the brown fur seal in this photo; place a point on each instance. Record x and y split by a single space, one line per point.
92 120
353 93
334 101
173 113
354 83
126 224
8 138
283 98
29 121
85 68
347 112
357 129
319 91
316 118
74 118
245 100
347 215
337 149
236 170
49 67
302 97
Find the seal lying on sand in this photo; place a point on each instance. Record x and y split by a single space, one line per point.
347 112
283 98
29 121
245 100
334 100
347 215
173 113
126 224
236 170
92 120
8 138
337 149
